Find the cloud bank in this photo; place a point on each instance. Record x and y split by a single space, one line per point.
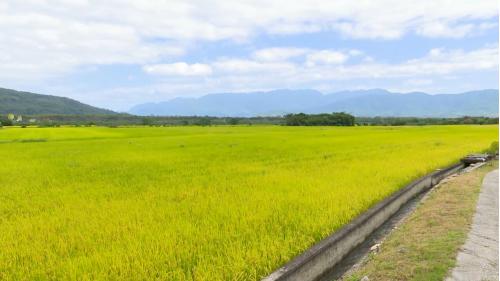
50 39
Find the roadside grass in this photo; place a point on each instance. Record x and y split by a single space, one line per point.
425 245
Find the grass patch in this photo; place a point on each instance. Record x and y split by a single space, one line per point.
424 247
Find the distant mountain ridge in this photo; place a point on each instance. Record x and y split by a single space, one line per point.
12 101
367 103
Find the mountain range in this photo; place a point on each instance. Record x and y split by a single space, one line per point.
12 101
366 103
362 103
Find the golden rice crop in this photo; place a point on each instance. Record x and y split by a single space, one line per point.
198 203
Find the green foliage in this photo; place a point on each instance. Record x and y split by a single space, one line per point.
5 120
325 119
146 121
203 121
233 121
127 120
414 121
198 203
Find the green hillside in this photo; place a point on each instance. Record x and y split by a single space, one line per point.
17 102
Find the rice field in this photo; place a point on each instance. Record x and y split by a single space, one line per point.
198 203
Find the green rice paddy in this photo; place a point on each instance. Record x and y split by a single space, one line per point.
198 203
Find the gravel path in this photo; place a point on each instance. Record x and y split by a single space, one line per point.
478 258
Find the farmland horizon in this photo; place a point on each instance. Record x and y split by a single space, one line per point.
361 103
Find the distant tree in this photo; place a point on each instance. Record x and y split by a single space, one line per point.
233 121
324 119
204 121
467 120
299 119
146 121
5 121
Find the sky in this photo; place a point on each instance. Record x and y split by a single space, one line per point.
116 54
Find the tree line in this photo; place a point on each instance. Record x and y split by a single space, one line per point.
300 119
324 119
415 121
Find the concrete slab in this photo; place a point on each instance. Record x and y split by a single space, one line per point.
478 258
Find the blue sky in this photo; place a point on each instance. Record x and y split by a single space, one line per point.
116 54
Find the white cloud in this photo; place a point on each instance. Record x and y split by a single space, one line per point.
443 29
322 66
179 68
438 62
53 37
487 25
419 82
355 53
37 46
312 57
251 66
440 29
369 30
278 54
326 57
238 74
294 28
452 61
